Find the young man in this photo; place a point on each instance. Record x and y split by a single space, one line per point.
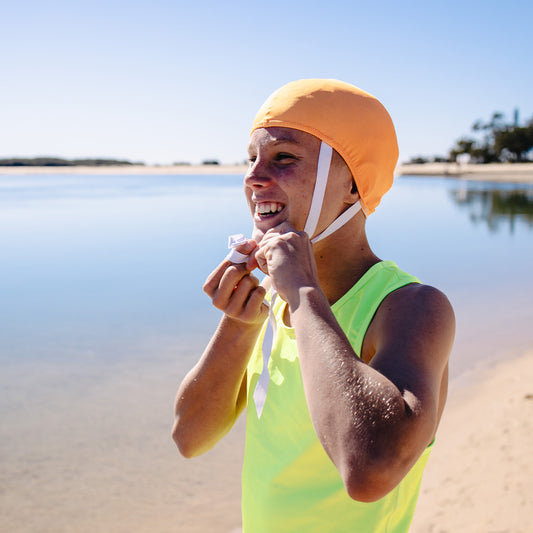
344 369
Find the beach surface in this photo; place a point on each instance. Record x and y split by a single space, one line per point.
479 478
500 172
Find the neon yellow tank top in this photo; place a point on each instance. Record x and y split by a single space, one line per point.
289 483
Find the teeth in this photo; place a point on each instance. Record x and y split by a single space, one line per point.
268 208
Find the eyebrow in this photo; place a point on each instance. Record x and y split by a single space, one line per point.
282 140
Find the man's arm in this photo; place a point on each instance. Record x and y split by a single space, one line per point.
213 394
373 418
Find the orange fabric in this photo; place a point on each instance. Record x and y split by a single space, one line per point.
350 120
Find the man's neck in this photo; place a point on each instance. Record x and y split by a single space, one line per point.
342 259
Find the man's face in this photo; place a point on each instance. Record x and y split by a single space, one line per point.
280 181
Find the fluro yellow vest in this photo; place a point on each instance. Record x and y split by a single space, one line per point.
289 483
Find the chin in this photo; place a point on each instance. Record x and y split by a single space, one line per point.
257 235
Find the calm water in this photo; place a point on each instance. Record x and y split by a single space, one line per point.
102 312
103 265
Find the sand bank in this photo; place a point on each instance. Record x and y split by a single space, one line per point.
506 172
133 170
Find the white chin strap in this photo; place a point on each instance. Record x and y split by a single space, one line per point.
322 172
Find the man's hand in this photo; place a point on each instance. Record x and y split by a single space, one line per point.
213 394
286 256
235 291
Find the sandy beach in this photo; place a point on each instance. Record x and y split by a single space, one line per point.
502 172
479 478
128 170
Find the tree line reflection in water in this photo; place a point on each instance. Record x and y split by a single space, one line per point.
498 208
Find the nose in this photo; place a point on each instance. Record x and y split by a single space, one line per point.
257 175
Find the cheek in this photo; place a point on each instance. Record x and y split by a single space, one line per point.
300 203
248 195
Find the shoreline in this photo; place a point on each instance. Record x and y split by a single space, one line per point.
500 172
127 170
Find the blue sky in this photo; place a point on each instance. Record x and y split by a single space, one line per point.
164 81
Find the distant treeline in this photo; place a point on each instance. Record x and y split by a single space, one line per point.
59 162
495 141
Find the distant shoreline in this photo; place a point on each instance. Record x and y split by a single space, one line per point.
134 170
501 172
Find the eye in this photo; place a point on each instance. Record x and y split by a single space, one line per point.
251 159
285 158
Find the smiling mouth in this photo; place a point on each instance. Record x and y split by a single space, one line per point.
268 209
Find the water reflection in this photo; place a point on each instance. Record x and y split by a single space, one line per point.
498 208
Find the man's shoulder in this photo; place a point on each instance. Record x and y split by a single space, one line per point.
415 309
415 296
411 314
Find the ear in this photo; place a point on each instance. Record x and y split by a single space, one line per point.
339 166
352 194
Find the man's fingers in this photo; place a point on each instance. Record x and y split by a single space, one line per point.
251 263
247 247
255 306
231 277
261 261
213 280
240 253
240 295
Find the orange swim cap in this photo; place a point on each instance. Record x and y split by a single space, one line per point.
350 120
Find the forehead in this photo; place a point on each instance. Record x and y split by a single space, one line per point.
266 137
